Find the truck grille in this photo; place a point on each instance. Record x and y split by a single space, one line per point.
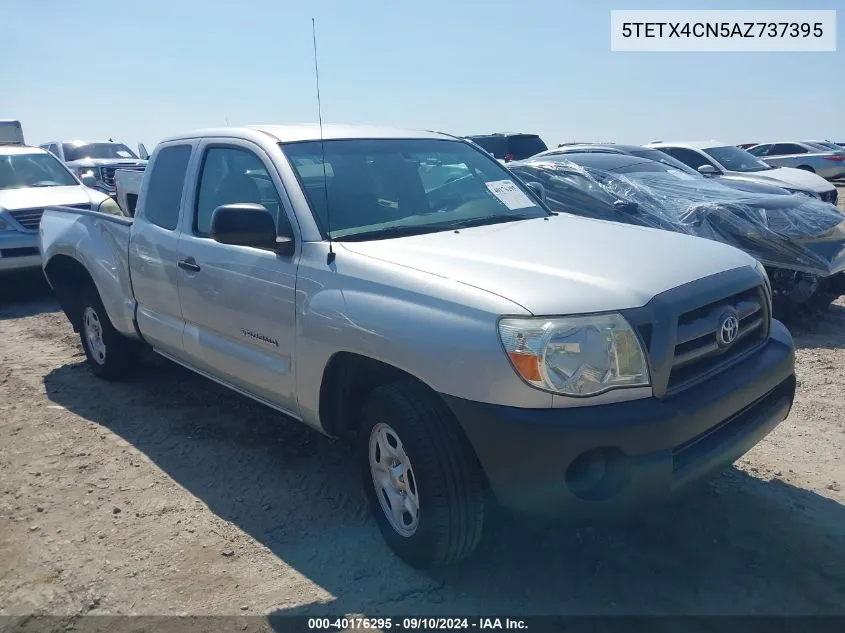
31 218
107 173
829 196
716 334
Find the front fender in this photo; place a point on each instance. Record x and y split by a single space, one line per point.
442 332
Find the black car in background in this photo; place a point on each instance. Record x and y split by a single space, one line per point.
800 240
508 147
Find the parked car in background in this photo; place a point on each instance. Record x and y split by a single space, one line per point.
95 162
30 180
830 145
817 159
661 157
510 146
722 161
475 346
800 240
11 132
746 145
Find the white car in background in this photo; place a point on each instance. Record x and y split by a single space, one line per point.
819 159
717 159
30 180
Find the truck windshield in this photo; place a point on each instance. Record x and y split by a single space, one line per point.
33 170
78 151
379 188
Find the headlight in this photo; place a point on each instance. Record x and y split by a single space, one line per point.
4 226
87 171
812 194
109 206
575 356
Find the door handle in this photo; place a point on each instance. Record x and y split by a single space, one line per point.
189 264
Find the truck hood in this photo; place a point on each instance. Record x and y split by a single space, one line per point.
563 265
785 177
105 162
38 197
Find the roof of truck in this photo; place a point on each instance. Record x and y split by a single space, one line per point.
311 132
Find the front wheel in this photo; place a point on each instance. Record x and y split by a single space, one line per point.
421 477
110 355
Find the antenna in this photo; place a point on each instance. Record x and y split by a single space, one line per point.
331 255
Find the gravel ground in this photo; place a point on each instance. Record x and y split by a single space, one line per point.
170 495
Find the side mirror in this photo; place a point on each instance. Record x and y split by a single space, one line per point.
249 225
89 181
538 189
708 170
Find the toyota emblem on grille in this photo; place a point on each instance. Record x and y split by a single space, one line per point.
728 329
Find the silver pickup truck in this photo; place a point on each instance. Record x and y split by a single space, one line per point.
405 290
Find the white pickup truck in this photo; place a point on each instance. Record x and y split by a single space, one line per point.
404 289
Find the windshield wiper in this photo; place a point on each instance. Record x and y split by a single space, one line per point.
470 222
391 231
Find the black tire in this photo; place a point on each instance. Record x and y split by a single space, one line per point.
447 477
806 168
119 355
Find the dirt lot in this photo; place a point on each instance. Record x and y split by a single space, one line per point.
170 495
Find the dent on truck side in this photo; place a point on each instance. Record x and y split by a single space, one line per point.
100 244
441 332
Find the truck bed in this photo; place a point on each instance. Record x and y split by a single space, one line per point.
100 243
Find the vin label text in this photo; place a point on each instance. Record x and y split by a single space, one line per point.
723 31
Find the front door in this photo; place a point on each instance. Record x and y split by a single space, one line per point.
238 302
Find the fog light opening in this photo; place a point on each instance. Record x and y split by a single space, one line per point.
597 474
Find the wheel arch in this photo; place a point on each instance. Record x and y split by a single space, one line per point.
68 277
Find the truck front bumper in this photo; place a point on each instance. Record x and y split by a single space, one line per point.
18 251
615 458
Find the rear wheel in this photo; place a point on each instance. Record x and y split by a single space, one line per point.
110 355
421 477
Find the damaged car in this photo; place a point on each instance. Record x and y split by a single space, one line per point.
800 240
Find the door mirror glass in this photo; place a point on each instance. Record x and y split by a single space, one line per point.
708 170
246 224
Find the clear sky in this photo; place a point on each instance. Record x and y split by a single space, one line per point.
139 70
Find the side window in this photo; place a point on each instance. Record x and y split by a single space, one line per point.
229 176
687 156
782 149
761 150
167 181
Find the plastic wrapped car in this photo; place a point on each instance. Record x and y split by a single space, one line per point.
800 240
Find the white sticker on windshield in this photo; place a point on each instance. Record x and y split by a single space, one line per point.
123 153
677 173
509 194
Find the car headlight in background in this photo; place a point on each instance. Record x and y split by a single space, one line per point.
4 226
109 206
87 171
575 356
811 194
